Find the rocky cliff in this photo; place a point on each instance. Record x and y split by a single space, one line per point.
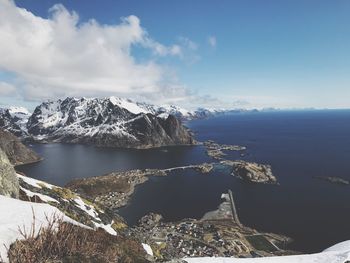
9 185
16 151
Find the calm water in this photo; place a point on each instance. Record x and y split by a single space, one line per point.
298 145
65 162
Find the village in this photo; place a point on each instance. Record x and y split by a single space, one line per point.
218 233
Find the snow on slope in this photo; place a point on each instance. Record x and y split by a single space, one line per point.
88 117
339 253
129 105
342 246
18 112
16 213
77 200
112 121
34 182
15 119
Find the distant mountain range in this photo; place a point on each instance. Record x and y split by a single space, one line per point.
112 121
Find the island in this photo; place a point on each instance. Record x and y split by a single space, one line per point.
333 179
215 150
252 172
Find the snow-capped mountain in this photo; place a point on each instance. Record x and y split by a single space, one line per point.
164 111
14 119
105 122
109 121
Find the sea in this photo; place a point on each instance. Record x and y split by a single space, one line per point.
299 145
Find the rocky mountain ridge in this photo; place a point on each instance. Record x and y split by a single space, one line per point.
86 120
112 122
14 119
107 122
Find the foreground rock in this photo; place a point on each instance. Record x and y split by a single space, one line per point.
252 172
9 185
15 150
109 122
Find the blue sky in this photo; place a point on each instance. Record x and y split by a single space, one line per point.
247 53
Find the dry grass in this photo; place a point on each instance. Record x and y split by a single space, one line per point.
61 242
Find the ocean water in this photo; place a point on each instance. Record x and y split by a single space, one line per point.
297 144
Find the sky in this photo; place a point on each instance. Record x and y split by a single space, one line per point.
221 54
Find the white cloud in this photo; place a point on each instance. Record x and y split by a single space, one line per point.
212 41
62 56
189 50
188 43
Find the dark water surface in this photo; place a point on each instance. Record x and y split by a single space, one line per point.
298 145
65 162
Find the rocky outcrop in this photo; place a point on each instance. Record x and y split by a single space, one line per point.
9 185
105 122
15 150
252 172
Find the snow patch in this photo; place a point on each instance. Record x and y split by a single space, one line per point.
89 209
128 105
107 228
15 213
44 198
34 182
19 112
148 249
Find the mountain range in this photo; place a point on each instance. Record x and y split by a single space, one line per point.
110 121
113 121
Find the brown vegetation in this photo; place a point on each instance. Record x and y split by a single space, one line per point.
62 242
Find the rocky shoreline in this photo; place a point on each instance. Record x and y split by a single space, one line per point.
212 236
115 189
252 172
216 150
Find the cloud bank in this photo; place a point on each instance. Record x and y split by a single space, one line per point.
62 56
6 89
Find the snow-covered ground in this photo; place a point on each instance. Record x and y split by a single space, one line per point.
339 253
15 214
